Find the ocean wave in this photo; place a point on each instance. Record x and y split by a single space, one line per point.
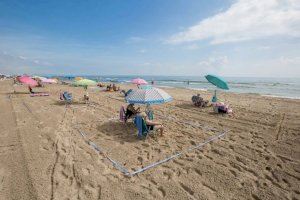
162 86
198 89
278 96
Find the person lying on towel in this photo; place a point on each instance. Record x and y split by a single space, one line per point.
152 125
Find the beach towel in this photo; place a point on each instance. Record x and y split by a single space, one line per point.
141 126
122 114
39 94
221 108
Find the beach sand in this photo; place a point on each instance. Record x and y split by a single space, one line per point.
43 155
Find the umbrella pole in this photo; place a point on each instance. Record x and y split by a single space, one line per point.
215 99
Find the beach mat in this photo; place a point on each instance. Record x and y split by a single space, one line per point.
39 94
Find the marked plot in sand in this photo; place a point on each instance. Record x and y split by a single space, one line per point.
120 142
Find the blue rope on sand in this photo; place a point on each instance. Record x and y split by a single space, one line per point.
127 173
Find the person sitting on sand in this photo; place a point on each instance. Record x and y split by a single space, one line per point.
86 97
115 88
198 101
107 88
131 111
39 83
100 85
152 125
30 89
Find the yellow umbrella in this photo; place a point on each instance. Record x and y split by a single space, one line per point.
78 78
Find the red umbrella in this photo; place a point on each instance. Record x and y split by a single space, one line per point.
27 81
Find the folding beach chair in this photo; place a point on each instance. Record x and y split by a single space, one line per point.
67 97
143 130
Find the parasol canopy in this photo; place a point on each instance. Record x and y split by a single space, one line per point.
217 81
139 81
84 82
27 81
148 95
49 80
78 78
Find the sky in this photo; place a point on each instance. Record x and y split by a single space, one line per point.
247 38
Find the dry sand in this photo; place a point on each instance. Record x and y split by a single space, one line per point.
43 156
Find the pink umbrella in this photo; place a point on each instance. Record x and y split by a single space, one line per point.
48 80
139 81
27 80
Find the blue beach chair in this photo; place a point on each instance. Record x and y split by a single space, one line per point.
141 126
67 97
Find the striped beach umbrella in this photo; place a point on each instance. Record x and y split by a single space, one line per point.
148 95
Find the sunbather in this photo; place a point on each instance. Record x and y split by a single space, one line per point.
131 111
152 125
86 97
198 101
30 90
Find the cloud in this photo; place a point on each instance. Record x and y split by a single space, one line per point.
263 48
143 51
289 60
246 20
192 47
214 62
22 57
10 63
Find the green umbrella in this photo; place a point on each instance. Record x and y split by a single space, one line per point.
217 81
84 82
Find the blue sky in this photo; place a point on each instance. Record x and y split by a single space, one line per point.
151 37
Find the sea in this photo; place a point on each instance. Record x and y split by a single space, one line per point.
274 87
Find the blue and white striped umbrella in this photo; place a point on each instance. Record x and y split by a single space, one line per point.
148 95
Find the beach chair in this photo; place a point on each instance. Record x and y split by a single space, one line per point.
141 125
66 96
126 93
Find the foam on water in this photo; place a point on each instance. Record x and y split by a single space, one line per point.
277 87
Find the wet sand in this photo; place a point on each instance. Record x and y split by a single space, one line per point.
43 155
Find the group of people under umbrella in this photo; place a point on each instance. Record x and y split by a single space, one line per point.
148 95
145 94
